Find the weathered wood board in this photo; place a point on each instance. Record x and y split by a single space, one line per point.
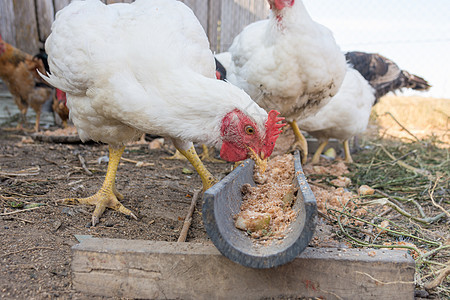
46 16
7 22
167 270
27 23
27 37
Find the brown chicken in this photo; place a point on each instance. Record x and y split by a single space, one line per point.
18 72
59 106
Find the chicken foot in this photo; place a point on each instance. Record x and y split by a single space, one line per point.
206 156
107 196
299 142
318 152
208 179
348 156
316 157
177 155
37 122
21 123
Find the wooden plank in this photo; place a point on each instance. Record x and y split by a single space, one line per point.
151 269
27 38
46 16
214 13
200 9
60 4
7 22
236 14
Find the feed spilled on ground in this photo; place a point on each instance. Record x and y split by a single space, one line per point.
266 209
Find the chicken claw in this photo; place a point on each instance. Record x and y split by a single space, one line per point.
206 156
348 156
177 156
316 156
102 199
107 196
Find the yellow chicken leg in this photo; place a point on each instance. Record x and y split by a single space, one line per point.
300 142
206 156
348 157
318 152
207 178
107 196
177 156
38 120
21 124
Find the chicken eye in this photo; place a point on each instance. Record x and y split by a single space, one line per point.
249 129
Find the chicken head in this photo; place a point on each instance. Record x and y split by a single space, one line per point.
242 138
280 4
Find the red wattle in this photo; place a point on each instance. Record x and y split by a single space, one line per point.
229 152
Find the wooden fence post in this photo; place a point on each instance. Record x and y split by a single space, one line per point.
214 17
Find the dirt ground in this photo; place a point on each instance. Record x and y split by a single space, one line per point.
37 233
35 249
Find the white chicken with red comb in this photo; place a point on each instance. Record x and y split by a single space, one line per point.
146 67
288 63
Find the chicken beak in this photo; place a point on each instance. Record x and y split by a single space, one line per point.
260 160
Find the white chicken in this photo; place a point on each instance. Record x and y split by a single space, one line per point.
347 114
288 63
146 67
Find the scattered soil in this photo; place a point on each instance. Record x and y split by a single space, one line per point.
37 233
70 131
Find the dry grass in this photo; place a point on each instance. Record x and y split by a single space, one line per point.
422 116
407 164
413 188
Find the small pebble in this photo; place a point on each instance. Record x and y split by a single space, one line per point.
421 294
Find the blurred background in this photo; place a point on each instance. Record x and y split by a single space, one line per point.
413 33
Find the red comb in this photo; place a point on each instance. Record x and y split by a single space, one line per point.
280 4
273 128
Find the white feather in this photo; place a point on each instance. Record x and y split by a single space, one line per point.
348 112
140 67
293 66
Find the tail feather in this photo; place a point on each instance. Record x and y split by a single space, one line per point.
62 84
415 82
383 74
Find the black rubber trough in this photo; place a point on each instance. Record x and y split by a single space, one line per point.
222 201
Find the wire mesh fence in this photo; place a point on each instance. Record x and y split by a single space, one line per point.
413 33
236 15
